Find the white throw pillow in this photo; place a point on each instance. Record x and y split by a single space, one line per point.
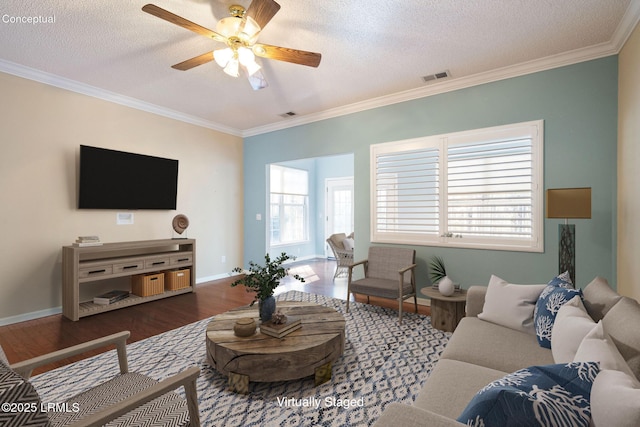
572 324
615 400
510 305
598 347
348 243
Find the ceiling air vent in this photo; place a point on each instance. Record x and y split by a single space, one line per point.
288 114
436 76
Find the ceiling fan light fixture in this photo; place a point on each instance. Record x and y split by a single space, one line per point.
223 56
250 31
252 68
229 26
246 56
233 67
248 60
246 29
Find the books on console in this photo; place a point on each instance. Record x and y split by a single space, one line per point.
281 330
110 297
87 241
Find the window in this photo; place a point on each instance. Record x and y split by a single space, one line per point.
289 200
475 189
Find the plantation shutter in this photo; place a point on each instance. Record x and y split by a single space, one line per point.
490 189
481 189
407 191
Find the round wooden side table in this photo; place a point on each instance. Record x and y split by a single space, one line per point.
446 312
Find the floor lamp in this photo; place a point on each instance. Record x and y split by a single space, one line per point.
568 203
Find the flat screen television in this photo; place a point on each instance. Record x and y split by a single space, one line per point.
111 179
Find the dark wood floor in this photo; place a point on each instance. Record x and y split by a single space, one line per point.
32 338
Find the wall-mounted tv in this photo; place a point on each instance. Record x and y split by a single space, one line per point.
111 179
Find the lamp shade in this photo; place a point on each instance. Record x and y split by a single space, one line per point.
569 203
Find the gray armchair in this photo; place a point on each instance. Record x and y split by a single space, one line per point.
129 398
343 255
389 272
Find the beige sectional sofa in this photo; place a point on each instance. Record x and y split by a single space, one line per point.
480 352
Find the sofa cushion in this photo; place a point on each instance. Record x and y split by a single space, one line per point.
621 323
540 395
615 400
557 293
400 414
572 324
451 385
383 288
599 298
510 305
475 300
493 346
597 346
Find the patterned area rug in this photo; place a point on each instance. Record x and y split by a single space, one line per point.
383 362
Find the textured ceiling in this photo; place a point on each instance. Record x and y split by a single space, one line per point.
370 49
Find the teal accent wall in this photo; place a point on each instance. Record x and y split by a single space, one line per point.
578 104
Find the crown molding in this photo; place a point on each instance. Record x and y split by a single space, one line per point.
627 25
449 85
85 89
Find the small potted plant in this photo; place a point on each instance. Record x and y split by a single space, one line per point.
438 274
263 280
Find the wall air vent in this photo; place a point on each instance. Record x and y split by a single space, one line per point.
288 114
437 76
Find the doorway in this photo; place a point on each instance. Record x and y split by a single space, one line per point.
338 208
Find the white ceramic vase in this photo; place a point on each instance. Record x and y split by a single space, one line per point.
446 286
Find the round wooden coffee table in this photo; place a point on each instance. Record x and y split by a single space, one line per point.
262 358
446 312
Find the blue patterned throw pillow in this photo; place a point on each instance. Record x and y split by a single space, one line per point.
547 395
562 281
558 292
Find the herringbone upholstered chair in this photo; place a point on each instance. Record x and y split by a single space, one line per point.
128 399
389 272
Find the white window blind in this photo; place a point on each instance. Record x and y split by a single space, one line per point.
478 189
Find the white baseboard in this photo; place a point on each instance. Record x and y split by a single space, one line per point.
424 301
200 280
30 316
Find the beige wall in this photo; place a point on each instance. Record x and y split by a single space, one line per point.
41 129
628 170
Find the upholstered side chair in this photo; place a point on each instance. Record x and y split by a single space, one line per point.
342 253
126 399
389 272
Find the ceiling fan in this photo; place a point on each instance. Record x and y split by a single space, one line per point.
240 33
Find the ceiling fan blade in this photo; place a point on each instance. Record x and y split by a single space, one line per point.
184 23
262 11
194 62
302 57
257 80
